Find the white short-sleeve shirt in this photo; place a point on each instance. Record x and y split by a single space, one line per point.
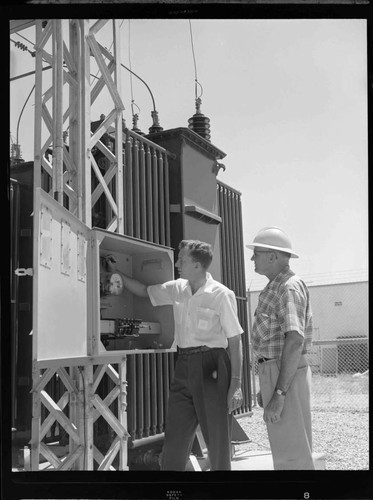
209 317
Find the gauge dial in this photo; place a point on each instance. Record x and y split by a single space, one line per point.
113 284
116 282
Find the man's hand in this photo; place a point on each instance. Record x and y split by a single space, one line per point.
259 399
273 410
234 398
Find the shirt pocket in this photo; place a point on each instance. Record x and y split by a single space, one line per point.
178 312
266 324
205 318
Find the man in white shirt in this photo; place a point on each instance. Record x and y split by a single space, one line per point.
207 383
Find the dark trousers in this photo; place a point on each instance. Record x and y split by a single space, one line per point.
198 395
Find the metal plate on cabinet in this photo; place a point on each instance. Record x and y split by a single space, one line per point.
82 257
65 248
45 236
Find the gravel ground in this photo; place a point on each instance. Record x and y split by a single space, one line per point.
343 436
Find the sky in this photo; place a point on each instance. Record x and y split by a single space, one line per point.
287 102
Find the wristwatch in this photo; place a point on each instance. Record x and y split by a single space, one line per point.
280 392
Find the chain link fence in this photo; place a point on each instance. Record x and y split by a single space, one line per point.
340 373
339 355
339 360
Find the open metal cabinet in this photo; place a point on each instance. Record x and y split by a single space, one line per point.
86 326
78 294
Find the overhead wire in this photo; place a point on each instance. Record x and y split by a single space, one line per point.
129 69
22 46
130 65
18 77
146 85
18 44
139 78
95 76
195 64
27 40
20 115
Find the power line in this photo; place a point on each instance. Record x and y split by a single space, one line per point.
19 119
27 74
131 73
22 46
27 40
195 64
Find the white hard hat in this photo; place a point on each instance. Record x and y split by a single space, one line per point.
275 238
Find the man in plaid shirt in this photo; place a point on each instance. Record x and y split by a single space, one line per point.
281 337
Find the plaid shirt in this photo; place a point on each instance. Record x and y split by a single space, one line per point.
283 307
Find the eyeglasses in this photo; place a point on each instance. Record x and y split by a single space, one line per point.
262 251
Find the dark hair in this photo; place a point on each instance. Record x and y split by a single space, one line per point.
199 251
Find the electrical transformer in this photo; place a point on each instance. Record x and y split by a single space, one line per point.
82 315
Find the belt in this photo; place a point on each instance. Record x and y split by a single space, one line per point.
261 360
186 351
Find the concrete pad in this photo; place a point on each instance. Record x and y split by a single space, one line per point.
262 460
254 460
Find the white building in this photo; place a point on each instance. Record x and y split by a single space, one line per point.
339 309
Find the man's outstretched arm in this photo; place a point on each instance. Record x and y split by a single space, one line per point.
135 286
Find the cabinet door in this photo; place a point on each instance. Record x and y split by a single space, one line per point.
62 260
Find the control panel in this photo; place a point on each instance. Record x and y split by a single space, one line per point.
126 321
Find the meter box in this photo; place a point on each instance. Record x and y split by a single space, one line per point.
80 306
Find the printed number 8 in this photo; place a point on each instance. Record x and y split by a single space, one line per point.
306 495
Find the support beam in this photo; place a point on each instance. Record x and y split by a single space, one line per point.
50 420
122 412
109 416
65 103
58 415
110 455
118 129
